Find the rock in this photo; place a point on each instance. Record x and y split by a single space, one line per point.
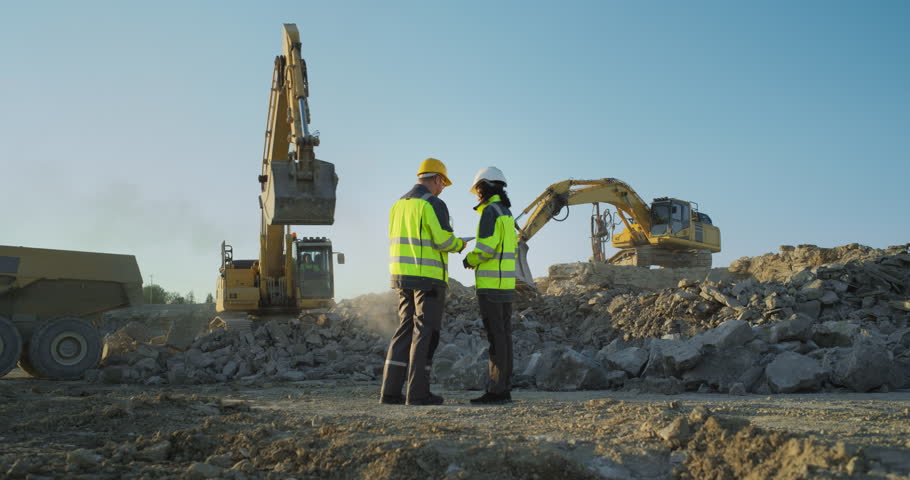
230 368
900 337
797 327
813 290
203 470
83 458
146 351
791 372
712 293
137 331
533 364
630 360
828 298
223 461
278 331
155 453
699 414
198 359
677 433
865 367
114 374
686 283
801 278
469 372
737 389
671 357
811 309
567 370
147 365
835 334
176 373
732 333
721 368
244 466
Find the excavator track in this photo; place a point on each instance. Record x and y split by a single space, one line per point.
647 256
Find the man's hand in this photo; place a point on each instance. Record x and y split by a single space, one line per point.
466 264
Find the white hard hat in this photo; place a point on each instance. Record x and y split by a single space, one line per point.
490 174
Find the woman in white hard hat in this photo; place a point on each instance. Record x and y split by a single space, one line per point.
493 262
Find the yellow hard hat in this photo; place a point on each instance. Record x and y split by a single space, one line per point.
432 165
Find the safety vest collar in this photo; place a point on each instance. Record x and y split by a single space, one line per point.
480 206
419 191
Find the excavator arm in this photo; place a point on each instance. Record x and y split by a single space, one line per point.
575 192
297 188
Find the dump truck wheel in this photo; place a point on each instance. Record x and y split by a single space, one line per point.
64 349
10 346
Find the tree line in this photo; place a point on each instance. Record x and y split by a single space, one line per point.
156 294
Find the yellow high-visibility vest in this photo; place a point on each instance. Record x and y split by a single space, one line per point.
493 257
420 237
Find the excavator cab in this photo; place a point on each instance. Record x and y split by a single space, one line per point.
314 272
669 216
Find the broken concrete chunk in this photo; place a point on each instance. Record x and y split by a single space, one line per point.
630 360
797 327
671 357
567 370
791 372
865 367
732 333
835 334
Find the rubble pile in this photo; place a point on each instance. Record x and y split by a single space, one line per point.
822 327
328 346
779 267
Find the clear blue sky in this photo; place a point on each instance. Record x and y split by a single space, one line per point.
137 127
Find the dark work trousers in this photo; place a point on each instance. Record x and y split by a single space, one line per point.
497 320
411 350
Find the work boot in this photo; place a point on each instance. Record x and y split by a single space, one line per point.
430 400
490 398
392 400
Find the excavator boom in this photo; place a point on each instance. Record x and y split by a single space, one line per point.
297 189
669 233
576 192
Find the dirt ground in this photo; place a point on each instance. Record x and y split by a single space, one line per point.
338 430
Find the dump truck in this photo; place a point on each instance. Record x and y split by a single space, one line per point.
51 302
291 275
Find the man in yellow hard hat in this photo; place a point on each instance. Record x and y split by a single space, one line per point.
420 239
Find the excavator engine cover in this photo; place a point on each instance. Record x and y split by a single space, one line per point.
291 199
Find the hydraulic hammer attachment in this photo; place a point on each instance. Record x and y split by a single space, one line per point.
288 198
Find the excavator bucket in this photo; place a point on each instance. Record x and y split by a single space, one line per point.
291 199
522 270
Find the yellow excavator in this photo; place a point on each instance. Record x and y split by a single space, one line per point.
291 274
670 233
